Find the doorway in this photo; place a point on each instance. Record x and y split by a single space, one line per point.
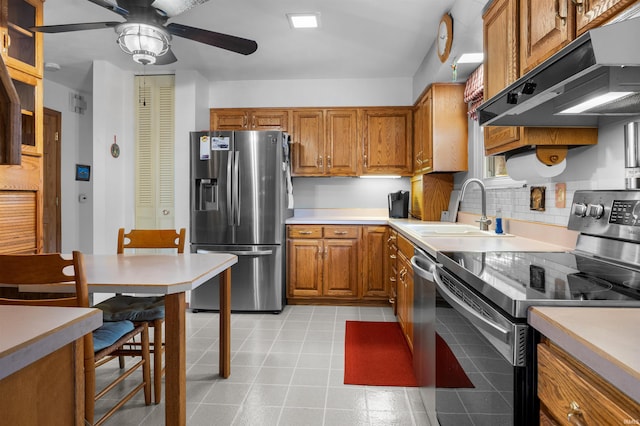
51 216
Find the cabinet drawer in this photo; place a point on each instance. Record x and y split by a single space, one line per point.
564 383
341 231
405 246
304 231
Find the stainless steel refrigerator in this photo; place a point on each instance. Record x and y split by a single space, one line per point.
240 188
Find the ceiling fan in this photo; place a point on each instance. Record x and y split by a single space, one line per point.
144 34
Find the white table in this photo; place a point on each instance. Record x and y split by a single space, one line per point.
170 275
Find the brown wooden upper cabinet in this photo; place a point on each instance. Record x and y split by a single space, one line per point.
440 130
386 141
249 119
503 45
325 142
20 47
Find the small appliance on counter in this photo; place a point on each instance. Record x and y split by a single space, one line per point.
399 204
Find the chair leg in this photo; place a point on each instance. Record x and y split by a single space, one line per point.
121 361
146 369
158 350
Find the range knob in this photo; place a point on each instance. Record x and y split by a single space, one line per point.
579 209
595 210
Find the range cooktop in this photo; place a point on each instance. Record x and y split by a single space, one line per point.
513 281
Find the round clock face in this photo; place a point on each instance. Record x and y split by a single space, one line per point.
445 37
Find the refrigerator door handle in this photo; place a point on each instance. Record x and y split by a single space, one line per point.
239 252
229 187
236 184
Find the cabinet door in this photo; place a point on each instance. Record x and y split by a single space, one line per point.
30 92
387 141
422 135
229 119
341 142
375 264
545 27
500 30
304 267
447 123
402 292
341 268
593 13
268 119
392 269
308 143
21 48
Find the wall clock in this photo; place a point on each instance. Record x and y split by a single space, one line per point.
445 37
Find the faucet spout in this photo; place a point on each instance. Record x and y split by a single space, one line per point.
484 222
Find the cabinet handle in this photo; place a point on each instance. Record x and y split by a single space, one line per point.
392 279
561 16
391 238
253 122
580 5
326 252
365 161
319 162
340 232
574 416
245 121
393 256
328 161
305 232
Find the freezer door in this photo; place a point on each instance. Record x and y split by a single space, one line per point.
260 187
211 190
257 280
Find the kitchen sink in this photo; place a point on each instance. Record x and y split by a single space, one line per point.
450 230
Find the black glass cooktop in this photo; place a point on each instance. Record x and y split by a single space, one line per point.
515 280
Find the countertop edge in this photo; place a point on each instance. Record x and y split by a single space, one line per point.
584 351
14 359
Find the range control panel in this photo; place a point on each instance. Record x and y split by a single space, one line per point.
614 214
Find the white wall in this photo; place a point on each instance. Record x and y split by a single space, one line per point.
76 148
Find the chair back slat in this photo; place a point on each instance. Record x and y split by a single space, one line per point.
151 239
42 270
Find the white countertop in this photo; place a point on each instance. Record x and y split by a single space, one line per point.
430 244
28 333
604 339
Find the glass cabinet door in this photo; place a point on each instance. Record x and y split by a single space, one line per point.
29 92
20 44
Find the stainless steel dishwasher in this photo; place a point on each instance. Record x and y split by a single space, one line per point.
424 334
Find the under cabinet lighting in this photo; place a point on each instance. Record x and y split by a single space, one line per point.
471 58
380 177
594 102
304 20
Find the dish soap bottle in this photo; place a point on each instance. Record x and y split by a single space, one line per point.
499 221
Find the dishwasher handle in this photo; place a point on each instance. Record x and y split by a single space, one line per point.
426 274
468 312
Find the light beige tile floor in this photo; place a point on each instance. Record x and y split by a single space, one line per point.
286 369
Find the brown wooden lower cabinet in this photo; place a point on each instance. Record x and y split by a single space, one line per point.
337 264
405 289
572 393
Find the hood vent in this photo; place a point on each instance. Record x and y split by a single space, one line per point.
603 63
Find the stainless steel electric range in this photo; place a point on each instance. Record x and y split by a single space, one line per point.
482 300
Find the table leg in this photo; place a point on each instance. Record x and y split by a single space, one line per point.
225 323
175 360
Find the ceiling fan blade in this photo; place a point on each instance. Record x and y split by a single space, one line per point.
113 6
74 27
173 8
166 59
223 41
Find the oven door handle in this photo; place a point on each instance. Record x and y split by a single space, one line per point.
475 317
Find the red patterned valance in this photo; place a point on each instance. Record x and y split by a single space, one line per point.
473 92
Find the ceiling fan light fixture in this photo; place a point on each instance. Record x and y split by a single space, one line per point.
144 42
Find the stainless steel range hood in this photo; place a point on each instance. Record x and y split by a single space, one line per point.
603 60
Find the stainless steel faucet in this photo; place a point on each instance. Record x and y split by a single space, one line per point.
484 222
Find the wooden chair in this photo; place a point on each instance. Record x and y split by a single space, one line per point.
145 309
101 346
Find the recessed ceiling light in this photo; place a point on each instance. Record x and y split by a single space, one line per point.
304 20
471 58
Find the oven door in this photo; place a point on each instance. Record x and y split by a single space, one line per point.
481 374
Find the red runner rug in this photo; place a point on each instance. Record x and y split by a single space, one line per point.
377 354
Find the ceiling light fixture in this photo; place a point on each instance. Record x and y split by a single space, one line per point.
471 58
144 42
594 102
304 20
